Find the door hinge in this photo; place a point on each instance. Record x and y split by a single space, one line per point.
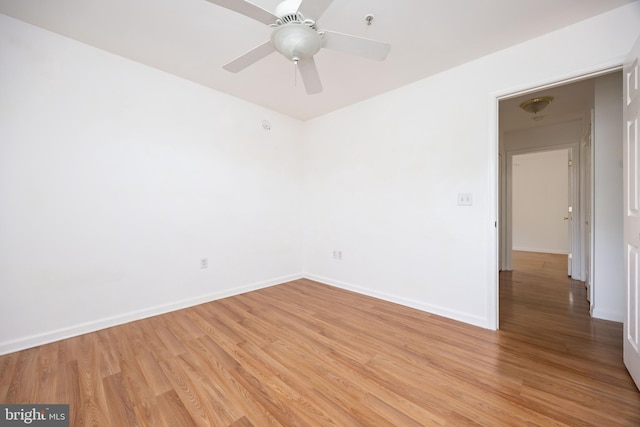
570 162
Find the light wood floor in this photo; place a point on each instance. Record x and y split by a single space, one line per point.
303 353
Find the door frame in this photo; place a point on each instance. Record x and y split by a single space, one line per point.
575 241
494 98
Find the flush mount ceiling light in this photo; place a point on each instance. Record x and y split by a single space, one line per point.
535 105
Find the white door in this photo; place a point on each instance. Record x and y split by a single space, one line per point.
631 188
569 216
574 264
586 211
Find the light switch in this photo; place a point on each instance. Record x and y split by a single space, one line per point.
465 199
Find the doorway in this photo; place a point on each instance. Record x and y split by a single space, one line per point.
559 128
539 202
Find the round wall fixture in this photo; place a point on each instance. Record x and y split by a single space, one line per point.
266 125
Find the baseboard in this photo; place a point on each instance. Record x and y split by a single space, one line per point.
607 315
543 251
63 333
418 305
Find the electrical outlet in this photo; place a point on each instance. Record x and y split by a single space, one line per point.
337 255
204 263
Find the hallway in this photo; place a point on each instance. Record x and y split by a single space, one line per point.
579 359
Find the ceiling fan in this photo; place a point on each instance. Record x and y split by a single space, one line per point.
297 37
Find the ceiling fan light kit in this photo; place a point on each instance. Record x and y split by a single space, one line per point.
296 41
296 37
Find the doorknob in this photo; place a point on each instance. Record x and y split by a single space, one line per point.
566 218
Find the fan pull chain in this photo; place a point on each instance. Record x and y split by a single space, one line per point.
295 73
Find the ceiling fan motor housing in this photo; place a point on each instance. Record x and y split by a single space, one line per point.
287 7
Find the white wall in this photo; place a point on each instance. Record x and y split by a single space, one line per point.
382 176
550 136
540 183
115 179
608 278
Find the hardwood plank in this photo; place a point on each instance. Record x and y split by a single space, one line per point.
304 353
91 401
46 381
174 345
266 400
235 398
120 407
69 392
22 386
173 410
108 357
280 383
153 374
242 422
192 396
214 403
7 368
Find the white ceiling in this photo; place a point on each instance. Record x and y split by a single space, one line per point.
570 102
194 38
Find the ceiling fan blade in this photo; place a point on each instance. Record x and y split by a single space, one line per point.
251 57
313 9
310 76
247 9
366 48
